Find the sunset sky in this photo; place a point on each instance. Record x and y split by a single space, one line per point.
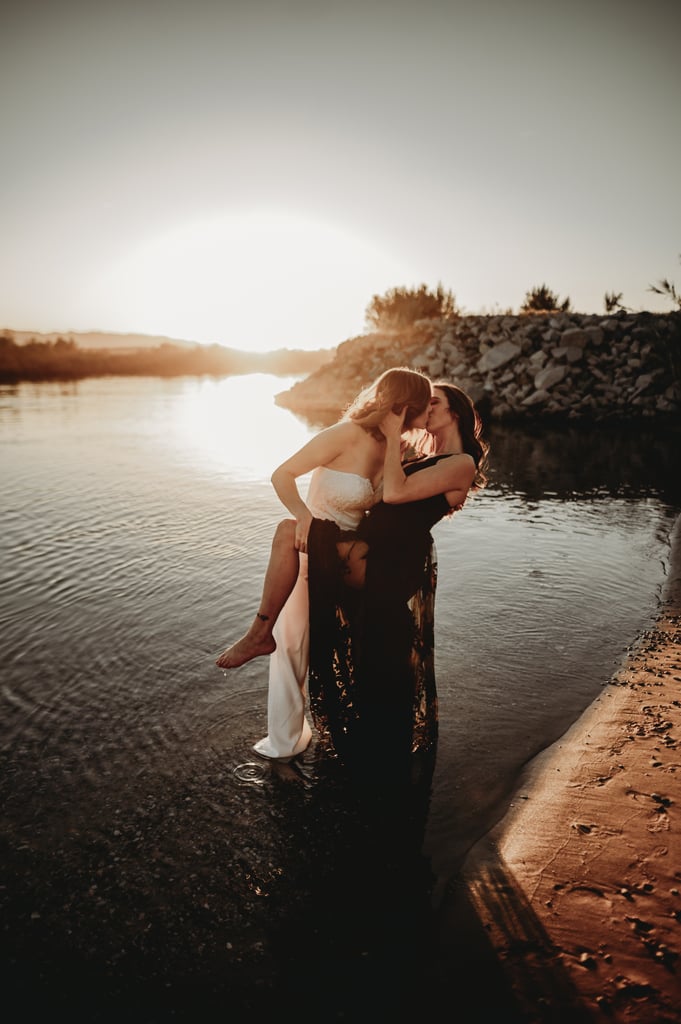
253 172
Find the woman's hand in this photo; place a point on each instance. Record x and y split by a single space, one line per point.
302 531
392 424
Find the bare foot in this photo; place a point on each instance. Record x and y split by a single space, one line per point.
245 650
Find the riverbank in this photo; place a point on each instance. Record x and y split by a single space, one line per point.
77 356
577 891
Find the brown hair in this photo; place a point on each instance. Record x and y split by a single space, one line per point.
470 427
392 390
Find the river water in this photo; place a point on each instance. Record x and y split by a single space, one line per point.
143 842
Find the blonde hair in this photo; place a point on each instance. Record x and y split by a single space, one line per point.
394 389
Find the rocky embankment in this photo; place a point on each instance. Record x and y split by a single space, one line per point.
561 365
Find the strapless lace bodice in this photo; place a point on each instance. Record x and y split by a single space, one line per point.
339 496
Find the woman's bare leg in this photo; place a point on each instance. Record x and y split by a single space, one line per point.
280 579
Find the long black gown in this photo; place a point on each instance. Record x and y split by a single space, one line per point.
372 689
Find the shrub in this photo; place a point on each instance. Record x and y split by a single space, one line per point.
542 300
402 307
612 301
668 289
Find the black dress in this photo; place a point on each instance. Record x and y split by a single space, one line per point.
372 688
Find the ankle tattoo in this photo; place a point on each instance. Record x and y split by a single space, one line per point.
263 618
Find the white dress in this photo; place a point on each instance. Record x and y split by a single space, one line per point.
343 498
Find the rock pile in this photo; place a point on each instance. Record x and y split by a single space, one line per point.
570 365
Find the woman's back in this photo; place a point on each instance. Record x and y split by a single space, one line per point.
399 540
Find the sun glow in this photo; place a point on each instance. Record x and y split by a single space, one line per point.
234 425
256 281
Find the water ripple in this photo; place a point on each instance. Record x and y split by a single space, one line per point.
250 773
128 567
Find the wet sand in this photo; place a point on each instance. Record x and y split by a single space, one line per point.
574 898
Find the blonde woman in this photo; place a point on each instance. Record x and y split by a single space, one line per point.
346 461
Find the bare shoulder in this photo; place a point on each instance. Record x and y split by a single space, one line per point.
343 428
335 440
348 432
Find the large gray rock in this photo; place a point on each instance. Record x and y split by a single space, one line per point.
575 336
539 397
537 359
574 354
498 356
594 334
549 376
643 382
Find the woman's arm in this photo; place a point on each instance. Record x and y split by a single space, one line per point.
394 477
452 476
322 450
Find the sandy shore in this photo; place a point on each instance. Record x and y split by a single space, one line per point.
578 889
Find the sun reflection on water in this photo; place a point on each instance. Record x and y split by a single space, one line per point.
233 423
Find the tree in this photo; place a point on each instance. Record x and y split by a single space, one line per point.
542 300
668 289
402 307
613 301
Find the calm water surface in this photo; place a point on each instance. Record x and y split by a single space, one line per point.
136 522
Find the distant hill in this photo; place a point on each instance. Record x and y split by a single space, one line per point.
98 339
134 342
67 355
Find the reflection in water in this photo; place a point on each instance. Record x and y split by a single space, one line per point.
542 463
225 422
352 894
538 461
145 850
